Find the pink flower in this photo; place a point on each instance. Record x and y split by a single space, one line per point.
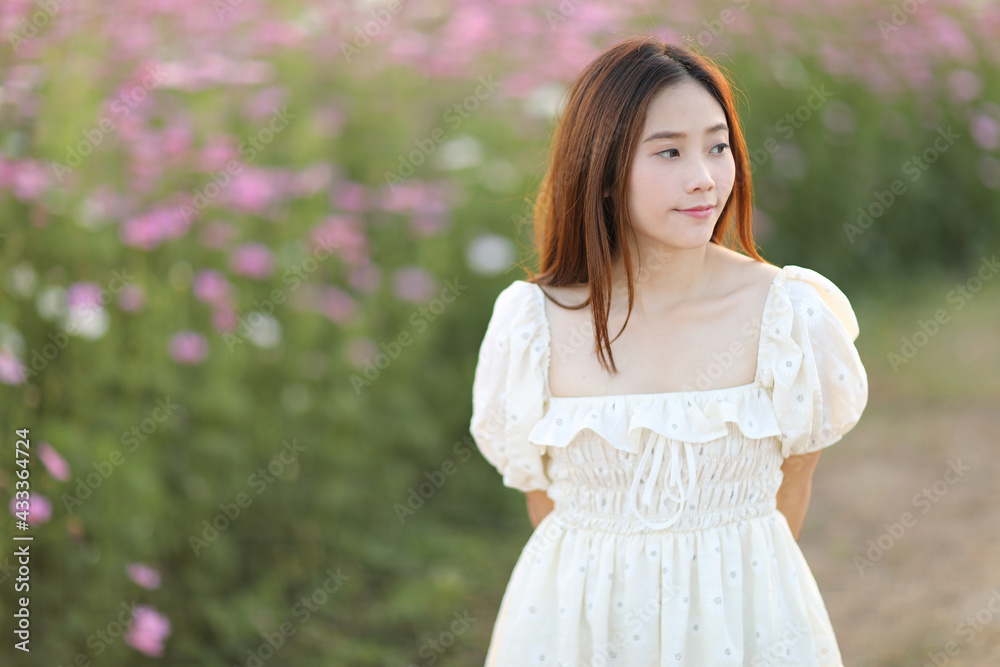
251 190
53 462
965 85
40 509
343 232
351 196
144 575
30 180
366 278
360 351
219 149
468 26
989 171
150 229
404 198
426 225
265 101
252 260
83 295
986 131
210 286
148 631
12 371
312 179
278 33
412 284
338 305
409 46
428 199
132 298
950 35
224 318
188 347
176 141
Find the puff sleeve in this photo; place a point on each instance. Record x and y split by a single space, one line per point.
819 385
508 390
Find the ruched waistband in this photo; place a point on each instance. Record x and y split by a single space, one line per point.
681 522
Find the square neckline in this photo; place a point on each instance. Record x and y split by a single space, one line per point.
755 383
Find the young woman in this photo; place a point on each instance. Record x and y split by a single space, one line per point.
667 469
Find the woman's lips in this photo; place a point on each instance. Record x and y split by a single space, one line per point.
698 211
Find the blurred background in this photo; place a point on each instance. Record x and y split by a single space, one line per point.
248 251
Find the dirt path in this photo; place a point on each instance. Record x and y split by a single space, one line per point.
910 600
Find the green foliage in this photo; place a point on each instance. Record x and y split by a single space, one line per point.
369 448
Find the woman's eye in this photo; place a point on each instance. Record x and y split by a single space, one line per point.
722 146
669 150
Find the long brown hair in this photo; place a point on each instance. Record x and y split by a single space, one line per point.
578 227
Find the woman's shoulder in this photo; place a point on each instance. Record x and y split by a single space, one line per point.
744 271
809 293
571 295
515 295
517 305
790 289
742 276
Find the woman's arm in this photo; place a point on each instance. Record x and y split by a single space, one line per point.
793 495
539 505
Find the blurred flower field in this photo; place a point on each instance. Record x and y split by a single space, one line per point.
248 251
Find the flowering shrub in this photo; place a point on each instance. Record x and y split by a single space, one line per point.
229 225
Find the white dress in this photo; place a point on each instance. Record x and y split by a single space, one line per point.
665 546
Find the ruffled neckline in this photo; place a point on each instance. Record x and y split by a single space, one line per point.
691 416
545 331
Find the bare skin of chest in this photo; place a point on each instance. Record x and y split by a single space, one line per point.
707 345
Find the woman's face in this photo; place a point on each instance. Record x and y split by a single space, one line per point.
683 170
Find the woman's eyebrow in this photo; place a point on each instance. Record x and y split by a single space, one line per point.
668 134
